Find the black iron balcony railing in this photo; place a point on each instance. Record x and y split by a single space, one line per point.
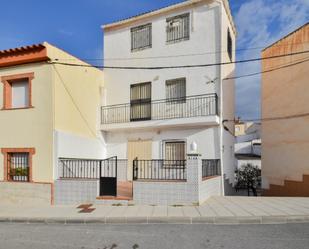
187 107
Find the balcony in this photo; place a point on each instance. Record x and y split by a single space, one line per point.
198 110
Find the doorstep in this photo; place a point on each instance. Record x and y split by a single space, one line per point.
119 198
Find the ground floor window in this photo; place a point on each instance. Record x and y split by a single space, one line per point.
174 153
18 164
18 167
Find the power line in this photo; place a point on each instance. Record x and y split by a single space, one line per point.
183 66
267 71
302 115
272 118
175 56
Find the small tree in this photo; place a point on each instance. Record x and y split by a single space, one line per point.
248 177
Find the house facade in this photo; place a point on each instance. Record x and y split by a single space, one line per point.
285 91
48 111
159 130
153 116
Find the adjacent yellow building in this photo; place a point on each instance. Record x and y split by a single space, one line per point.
47 111
285 135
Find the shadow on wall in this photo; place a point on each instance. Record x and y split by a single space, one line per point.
289 189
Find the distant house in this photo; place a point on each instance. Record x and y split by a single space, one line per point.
248 143
47 111
285 126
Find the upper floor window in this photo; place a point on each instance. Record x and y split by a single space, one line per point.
17 91
141 37
229 44
176 90
178 28
140 103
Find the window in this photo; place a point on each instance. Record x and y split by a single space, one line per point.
18 164
178 28
229 44
175 153
140 102
18 167
175 150
17 91
141 37
176 90
20 94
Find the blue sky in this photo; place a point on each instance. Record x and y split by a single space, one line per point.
74 25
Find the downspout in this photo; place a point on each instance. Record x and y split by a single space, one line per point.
220 98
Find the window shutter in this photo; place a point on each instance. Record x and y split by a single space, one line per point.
20 94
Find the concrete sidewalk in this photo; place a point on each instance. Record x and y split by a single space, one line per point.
217 210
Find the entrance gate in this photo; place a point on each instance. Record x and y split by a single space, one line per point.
108 177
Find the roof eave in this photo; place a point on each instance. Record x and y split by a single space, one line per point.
149 14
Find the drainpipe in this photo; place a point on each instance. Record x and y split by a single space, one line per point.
220 97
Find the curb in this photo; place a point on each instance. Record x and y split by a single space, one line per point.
163 220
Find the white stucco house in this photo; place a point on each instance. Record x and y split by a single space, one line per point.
151 114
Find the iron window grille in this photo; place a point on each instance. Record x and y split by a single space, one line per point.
18 167
140 102
176 90
178 28
141 37
174 151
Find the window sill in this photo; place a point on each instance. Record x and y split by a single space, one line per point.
177 41
20 108
140 49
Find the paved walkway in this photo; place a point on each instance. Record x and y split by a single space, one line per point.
217 210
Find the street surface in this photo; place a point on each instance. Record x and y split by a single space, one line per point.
94 236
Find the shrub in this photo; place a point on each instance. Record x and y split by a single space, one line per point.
248 177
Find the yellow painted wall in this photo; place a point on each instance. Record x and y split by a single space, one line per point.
77 95
285 92
64 98
30 127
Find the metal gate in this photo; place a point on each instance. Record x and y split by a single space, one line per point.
108 177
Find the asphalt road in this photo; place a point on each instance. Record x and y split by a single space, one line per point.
40 236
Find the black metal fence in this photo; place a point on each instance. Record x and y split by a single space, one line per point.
192 106
18 167
211 167
73 168
159 170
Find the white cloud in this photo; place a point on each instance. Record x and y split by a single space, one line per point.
260 23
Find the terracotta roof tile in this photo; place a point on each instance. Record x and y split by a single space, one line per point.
22 49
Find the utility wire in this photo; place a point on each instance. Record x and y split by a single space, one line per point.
297 62
183 66
302 115
175 56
